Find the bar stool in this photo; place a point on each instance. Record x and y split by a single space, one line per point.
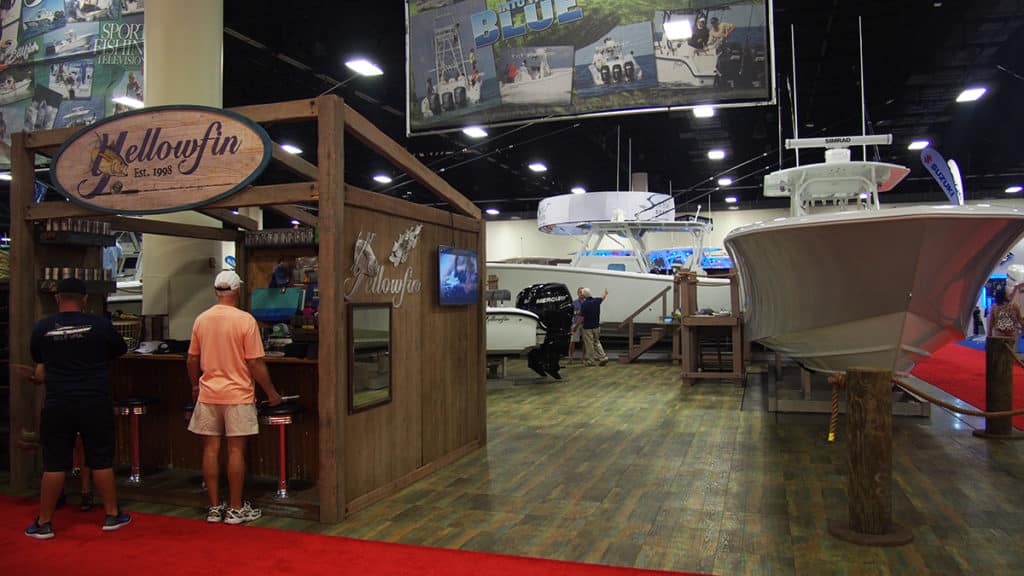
281 416
134 406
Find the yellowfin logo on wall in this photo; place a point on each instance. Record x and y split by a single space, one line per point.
163 159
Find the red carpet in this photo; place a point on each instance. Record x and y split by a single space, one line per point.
960 370
156 545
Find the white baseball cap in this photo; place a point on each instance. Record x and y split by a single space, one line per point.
227 280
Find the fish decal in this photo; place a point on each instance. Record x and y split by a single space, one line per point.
106 161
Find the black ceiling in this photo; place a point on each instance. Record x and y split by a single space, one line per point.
918 55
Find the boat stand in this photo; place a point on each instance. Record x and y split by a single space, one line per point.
703 336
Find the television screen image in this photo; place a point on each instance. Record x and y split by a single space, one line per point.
457 275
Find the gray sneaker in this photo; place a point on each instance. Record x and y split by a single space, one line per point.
216 513
244 514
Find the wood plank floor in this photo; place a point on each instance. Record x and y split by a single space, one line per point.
619 465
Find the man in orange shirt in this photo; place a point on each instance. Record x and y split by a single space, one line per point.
227 349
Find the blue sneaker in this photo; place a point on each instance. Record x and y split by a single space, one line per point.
39 531
111 523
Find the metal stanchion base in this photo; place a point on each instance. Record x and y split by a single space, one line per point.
135 479
1013 435
281 494
899 536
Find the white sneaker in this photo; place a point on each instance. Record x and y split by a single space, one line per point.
245 514
216 513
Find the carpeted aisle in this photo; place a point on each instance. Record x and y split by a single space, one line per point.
960 370
162 545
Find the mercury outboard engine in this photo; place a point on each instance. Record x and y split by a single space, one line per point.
552 302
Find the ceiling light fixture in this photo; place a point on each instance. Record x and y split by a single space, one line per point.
295 222
235 212
382 178
364 67
725 181
716 154
971 94
5 176
918 145
474 132
538 167
578 190
1010 190
734 207
291 149
128 101
678 29
730 200
704 111
493 211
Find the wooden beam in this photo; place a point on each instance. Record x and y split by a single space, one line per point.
333 342
229 217
397 207
48 138
294 163
147 226
23 306
295 193
377 140
296 213
291 111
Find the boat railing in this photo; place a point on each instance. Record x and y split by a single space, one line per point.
629 321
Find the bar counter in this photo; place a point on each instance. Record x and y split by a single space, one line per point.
164 440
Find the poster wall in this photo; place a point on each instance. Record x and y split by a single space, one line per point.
492 62
63 61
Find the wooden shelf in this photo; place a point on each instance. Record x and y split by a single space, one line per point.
75 238
710 321
91 286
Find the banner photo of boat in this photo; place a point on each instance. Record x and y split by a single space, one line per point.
622 59
67 60
843 282
535 75
722 47
490 62
449 78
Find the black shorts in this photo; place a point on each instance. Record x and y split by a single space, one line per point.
93 418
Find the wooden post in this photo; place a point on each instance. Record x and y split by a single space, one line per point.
333 344
24 308
869 454
999 363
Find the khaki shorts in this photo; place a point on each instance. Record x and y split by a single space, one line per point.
224 420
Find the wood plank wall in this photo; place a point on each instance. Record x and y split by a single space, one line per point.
437 352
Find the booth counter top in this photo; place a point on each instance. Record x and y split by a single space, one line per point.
181 358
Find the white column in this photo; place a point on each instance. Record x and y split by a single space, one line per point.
183 65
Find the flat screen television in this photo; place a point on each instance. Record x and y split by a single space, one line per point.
458 276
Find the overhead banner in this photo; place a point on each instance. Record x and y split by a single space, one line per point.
63 61
492 62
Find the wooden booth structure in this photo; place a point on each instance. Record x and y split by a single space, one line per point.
434 411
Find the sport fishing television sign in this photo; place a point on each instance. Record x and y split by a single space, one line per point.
162 159
491 62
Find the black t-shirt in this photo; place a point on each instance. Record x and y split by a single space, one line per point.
76 349
591 310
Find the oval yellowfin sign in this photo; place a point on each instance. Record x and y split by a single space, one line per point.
162 159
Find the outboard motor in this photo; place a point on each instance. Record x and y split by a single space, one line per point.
552 302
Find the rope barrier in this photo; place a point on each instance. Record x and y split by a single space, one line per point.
837 381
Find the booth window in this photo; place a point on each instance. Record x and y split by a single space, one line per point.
369 358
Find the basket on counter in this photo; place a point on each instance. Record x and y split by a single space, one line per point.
130 330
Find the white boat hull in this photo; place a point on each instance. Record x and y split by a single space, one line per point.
626 290
686 66
511 330
553 89
872 288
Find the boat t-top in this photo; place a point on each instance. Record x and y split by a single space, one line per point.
454 82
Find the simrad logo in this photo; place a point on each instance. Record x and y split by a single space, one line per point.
844 140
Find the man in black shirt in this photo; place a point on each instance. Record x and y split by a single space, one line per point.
591 312
72 351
